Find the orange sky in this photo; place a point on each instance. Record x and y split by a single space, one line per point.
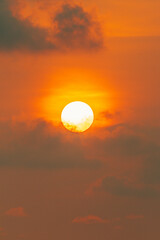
105 182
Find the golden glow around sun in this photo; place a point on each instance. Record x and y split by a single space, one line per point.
77 116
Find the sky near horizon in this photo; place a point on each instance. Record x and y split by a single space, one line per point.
100 184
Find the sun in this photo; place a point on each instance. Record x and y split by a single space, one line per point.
77 116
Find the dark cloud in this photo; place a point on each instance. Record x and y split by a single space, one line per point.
151 172
126 141
121 187
133 145
40 146
74 29
17 34
125 145
130 146
109 115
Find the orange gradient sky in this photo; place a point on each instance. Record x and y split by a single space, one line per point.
100 184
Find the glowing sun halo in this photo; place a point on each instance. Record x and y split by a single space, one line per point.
77 116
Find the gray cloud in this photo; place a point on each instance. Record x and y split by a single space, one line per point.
125 145
135 145
126 141
75 29
35 147
41 146
16 34
151 172
121 187
109 115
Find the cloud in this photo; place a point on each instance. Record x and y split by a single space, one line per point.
108 115
16 212
151 173
126 145
16 34
40 145
90 219
122 187
134 217
74 29
131 145
134 153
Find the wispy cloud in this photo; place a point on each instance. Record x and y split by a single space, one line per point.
16 212
90 219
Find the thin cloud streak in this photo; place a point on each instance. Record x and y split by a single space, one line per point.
90 219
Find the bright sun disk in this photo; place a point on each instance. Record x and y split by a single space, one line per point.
77 116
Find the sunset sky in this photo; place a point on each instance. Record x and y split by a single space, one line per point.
104 183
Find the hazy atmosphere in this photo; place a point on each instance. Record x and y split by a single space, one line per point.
100 184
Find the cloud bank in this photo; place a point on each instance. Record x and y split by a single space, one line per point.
40 146
135 157
72 28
